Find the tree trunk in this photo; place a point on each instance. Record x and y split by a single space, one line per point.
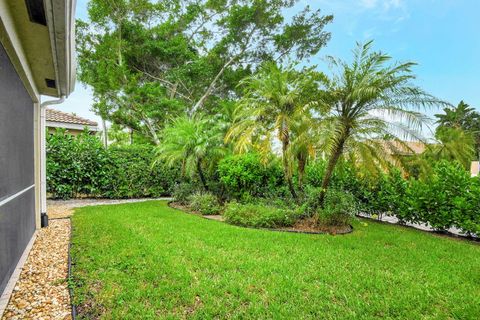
288 177
200 174
301 171
337 152
105 134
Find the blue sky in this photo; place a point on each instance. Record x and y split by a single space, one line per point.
442 36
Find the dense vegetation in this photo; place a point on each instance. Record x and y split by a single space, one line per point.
163 264
224 94
81 166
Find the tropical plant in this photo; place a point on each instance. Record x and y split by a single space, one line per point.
371 99
275 101
462 117
452 144
149 60
194 142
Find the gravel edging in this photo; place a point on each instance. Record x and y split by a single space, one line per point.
41 291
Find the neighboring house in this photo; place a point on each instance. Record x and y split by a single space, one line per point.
36 59
405 148
475 168
71 123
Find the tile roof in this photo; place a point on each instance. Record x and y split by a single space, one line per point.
405 147
59 116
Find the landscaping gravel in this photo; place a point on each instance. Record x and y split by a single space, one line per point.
41 291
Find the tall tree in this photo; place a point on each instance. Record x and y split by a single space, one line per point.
274 102
148 60
370 99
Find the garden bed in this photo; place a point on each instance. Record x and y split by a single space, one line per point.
307 226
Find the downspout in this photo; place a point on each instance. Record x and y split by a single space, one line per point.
43 161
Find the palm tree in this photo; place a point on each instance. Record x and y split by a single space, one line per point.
453 144
462 117
273 100
370 99
191 141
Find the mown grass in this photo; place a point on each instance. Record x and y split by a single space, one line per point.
148 261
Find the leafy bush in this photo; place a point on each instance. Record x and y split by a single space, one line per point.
182 192
205 203
448 198
258 215
81 166
338 209
245 175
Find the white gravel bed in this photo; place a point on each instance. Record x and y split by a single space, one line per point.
41 291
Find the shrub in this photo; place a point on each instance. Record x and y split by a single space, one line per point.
245 175
258 215
182 192
338 209
205 203
81 166
448 198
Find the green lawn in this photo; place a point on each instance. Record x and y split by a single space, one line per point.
148 261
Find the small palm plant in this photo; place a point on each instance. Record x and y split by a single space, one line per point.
274 100
191 141
370 99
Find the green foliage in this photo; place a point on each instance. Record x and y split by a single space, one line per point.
258 215
205 202
81 166
373 98
462 117
275 102
192 143
150 60
448 198
182 192
246 174
338 209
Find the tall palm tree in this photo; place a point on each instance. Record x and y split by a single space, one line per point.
273 99
191 141
371 98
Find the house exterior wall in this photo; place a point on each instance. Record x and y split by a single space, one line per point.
17 168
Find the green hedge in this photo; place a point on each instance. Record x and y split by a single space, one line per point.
81 166
245 175
447 198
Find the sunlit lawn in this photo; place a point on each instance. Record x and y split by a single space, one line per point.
148 261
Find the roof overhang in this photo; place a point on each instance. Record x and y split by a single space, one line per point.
39 37
71 126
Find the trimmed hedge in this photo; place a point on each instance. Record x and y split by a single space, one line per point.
81 166
447 198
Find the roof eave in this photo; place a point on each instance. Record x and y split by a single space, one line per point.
60 16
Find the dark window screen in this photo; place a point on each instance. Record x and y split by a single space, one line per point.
17 216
